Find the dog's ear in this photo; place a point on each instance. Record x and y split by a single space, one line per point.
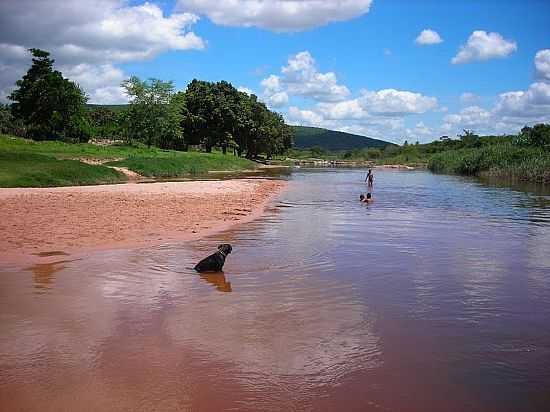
220 247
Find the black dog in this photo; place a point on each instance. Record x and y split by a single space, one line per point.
214 263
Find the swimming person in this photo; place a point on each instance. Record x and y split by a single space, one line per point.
367 199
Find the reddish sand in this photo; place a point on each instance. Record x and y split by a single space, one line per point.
40 221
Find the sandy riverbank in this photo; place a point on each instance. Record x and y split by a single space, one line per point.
44 220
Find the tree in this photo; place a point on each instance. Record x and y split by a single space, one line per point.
218 115
469 139
538 135
154 114
51 106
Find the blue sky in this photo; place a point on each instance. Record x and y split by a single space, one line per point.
350 65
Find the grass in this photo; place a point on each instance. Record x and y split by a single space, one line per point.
503 160
183 163
35 170
26 163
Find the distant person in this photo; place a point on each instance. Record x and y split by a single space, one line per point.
370 179
368 175
366 199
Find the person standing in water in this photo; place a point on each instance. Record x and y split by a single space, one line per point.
370 179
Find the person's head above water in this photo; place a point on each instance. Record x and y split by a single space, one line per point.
361 197
369 196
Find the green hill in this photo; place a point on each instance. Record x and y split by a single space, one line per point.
307 137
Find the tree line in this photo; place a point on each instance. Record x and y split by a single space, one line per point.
206 115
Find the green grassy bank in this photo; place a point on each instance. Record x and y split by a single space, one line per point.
35 170
27 163
502 160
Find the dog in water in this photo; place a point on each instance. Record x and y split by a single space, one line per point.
214 263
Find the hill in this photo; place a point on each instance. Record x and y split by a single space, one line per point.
307 137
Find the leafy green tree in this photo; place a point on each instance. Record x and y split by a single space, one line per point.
51 106
218 115
470 139
538 135
154 114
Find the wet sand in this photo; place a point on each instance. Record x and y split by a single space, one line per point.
37 222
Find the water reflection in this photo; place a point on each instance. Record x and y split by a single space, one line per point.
218 280
44 273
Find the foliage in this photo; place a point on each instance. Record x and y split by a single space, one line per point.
51 106
217 114
153 116
9 124
504 159
538 135
105 122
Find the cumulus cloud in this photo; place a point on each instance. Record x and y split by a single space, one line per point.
101 81
428 37
468 98
511 111
542 64
396 102
484 46
300 77
92 32
277 15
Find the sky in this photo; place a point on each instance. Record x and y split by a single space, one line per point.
391 69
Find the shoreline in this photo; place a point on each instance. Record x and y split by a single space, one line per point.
42 223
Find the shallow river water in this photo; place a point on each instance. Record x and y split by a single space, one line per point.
434 297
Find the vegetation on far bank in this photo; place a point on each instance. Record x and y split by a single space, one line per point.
26 163
525 156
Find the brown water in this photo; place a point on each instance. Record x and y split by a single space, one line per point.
435 297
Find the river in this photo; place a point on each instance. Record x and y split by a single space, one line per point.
434 297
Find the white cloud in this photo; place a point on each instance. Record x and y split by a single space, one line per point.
511 111
300 77
470 117
468 98
378 114
542 64
93 32
484 46
277 15
278 99
428 37
533 102
102 82
306 117
245 90
396 102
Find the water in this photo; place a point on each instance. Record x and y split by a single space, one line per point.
434 297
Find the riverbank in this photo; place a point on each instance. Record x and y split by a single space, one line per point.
27 163
35 222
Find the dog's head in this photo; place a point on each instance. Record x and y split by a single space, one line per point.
225 248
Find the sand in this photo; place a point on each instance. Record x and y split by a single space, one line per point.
41 221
